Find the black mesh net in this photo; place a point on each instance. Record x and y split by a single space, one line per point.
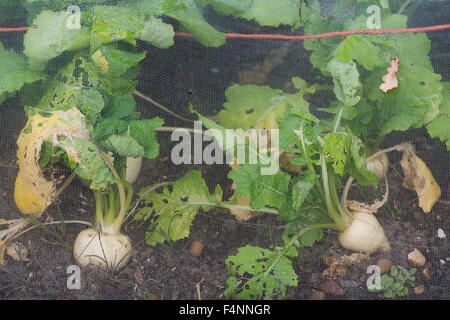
190 73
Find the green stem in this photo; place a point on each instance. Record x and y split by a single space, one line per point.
110 215
334 196
129 197
323 87
308 161
282 253
99 199
337 121
114 228
341 222
232 206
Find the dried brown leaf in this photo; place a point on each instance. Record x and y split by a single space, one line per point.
419 178
390 80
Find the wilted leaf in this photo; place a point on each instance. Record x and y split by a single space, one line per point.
419 178
32 191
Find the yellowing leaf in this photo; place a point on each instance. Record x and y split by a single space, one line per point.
100 61
241 214
419 178
32 191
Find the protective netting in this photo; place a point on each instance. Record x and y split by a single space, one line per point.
189 73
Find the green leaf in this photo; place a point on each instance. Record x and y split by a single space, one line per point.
302 188
259 273
258 107
171 212
125 146
144 133
113 23
315 23
108 127
337 147
266 12
118 58
119 107
191 19
348 113
51 38
158 33
439 127
394 271
347 86
90 103
357 168
264 190
360 49
15 72
91 166
389 294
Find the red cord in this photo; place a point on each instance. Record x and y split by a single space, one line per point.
325 35
284 37
16 29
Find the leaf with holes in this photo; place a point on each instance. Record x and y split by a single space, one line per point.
264 190
259 273
258 107
171 212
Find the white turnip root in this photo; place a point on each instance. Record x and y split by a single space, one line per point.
107 251
133 169
364 234
379 165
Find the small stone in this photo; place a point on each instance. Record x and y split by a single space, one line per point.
426 273
317 295
348 283
419 289
416 258
331 287
441 234
384 265
196 248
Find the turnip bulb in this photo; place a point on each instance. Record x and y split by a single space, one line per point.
379 165
107 251
364 234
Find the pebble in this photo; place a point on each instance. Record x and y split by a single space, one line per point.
331 287
196 248
419 289
441 234
384 265
416 258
